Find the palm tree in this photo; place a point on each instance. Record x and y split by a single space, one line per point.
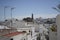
57 8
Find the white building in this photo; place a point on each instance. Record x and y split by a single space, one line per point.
16 36
56 35
32 29
4 27
52 35
21 34
58 26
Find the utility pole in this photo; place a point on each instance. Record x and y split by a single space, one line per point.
11 16
5 12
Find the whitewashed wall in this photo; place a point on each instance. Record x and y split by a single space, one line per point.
58 26
52 35
18 37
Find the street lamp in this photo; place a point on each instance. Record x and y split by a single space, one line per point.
4 12
11 12
11 16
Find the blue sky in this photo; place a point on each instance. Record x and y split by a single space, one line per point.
24 8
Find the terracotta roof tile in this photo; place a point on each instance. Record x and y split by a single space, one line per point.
13 34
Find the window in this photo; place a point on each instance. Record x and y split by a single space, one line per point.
11 39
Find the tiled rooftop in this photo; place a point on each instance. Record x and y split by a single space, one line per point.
13 34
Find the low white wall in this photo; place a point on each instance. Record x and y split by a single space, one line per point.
18 37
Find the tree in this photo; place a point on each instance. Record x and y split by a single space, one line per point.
58 6
28 19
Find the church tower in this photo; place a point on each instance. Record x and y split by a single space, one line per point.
32 16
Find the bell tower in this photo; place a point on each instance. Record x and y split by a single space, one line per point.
32 16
